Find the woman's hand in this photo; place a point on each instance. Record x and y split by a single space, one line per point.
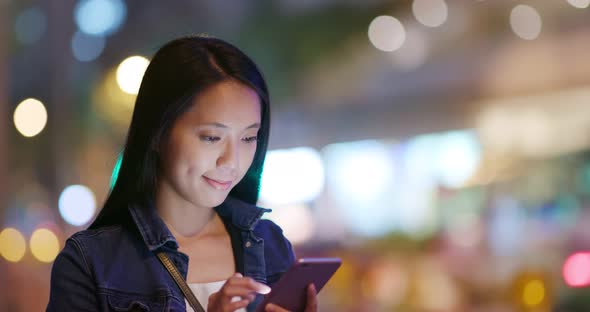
237 286
311 306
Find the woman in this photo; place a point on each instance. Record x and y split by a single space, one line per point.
186 189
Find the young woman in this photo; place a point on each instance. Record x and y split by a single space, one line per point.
187 189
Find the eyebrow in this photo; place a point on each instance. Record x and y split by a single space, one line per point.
220 125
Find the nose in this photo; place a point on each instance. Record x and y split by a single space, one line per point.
229 157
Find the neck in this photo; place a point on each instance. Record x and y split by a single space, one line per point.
184 219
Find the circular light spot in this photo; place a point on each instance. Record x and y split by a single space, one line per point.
580 4
576 270
292 176
30 117
44 245
85 47
533 293
30 25
77 204
525 22
100 17
387 33
130 73
431 13
12 245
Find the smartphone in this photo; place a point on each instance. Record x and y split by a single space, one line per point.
290 292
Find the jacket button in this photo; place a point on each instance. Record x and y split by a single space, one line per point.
248 244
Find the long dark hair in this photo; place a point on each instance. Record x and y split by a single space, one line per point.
178 72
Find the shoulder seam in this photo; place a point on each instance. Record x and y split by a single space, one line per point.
78 246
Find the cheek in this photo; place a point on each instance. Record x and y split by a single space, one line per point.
187 158
246 158
200 160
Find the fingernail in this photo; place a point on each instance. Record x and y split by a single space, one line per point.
237 274
263 289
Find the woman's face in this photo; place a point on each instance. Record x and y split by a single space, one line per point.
211 146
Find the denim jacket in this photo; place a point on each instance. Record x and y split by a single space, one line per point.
115 268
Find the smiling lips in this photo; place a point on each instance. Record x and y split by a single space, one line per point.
218 185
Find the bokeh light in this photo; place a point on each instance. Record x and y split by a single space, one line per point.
449 159
292 176
386 282
30 117
130 73
431 13
30 25
86 47
435 289
580 4
77 204
360 176
418 160
44 245
12 245
533 293
576 270
526 22
360 170
296 221
100 17
387 33
458 158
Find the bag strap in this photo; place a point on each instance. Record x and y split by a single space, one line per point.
188 294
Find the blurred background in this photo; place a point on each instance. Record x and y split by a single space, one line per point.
441 148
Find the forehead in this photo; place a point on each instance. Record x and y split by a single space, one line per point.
227 101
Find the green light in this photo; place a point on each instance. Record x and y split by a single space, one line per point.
116 169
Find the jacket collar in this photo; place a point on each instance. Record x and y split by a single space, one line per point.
156 234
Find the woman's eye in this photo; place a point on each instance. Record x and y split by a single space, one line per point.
251 139
208 138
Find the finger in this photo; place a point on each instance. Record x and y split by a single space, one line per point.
271 307
249 296
236 277
312 299
231 291
249 283
236 305
219 298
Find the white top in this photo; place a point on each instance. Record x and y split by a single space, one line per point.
203 290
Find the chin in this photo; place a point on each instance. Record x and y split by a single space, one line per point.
214 201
